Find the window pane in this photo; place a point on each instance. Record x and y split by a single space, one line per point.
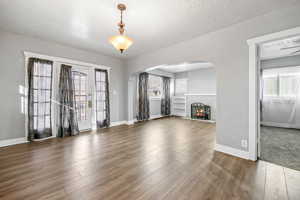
102 96
270 87
42 108
35 83
35 122
102 86
98 86
35 108
102 78
48 70
97 76
48 95
47 109
47 84
100 115
47 122
41 122
288 85
35 95
100 106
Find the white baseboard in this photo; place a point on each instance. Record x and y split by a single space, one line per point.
200 120
155 116
117 123
4 143
232 151
280 125
131 122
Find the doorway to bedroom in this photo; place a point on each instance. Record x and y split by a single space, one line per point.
279 141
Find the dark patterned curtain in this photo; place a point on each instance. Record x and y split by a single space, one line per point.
67 122
166 101
143 108
39 98
102 98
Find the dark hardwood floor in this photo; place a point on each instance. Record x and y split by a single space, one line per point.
168 158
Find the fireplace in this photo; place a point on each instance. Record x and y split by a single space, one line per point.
200 111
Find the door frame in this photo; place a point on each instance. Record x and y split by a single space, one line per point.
254 71
56 66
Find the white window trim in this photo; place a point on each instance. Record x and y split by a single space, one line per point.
57 61
254 67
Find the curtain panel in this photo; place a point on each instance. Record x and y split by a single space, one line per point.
143 99
67 122
165 100
102 98
39 73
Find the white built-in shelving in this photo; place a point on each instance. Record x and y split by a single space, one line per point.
179 106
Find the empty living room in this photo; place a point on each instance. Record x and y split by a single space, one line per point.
139 99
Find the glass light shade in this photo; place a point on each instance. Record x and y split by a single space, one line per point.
121 42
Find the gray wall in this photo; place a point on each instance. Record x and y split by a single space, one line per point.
12 75
202 81
227 49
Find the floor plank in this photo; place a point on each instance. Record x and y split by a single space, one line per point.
275 183
292 183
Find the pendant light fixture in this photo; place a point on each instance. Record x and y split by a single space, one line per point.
121 42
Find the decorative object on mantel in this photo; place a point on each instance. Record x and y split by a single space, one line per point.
200 111
121 42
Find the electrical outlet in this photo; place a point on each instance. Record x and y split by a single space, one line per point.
244 143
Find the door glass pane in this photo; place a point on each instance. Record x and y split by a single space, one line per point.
80 84
101 95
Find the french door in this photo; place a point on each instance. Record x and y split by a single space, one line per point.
83 97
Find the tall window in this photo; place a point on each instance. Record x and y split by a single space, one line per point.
40 89
81 96
281 82
102 98
155 86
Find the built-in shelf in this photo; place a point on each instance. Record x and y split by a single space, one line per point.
179 106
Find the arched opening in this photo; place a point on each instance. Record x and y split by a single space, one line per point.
192 91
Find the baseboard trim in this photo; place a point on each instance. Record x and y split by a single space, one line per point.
131 122
201 120
117 123
155 117
232 151
280 125
9 142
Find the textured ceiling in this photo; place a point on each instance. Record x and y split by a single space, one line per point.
152 24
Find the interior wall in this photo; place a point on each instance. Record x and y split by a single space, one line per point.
227 49
12 69
201 81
